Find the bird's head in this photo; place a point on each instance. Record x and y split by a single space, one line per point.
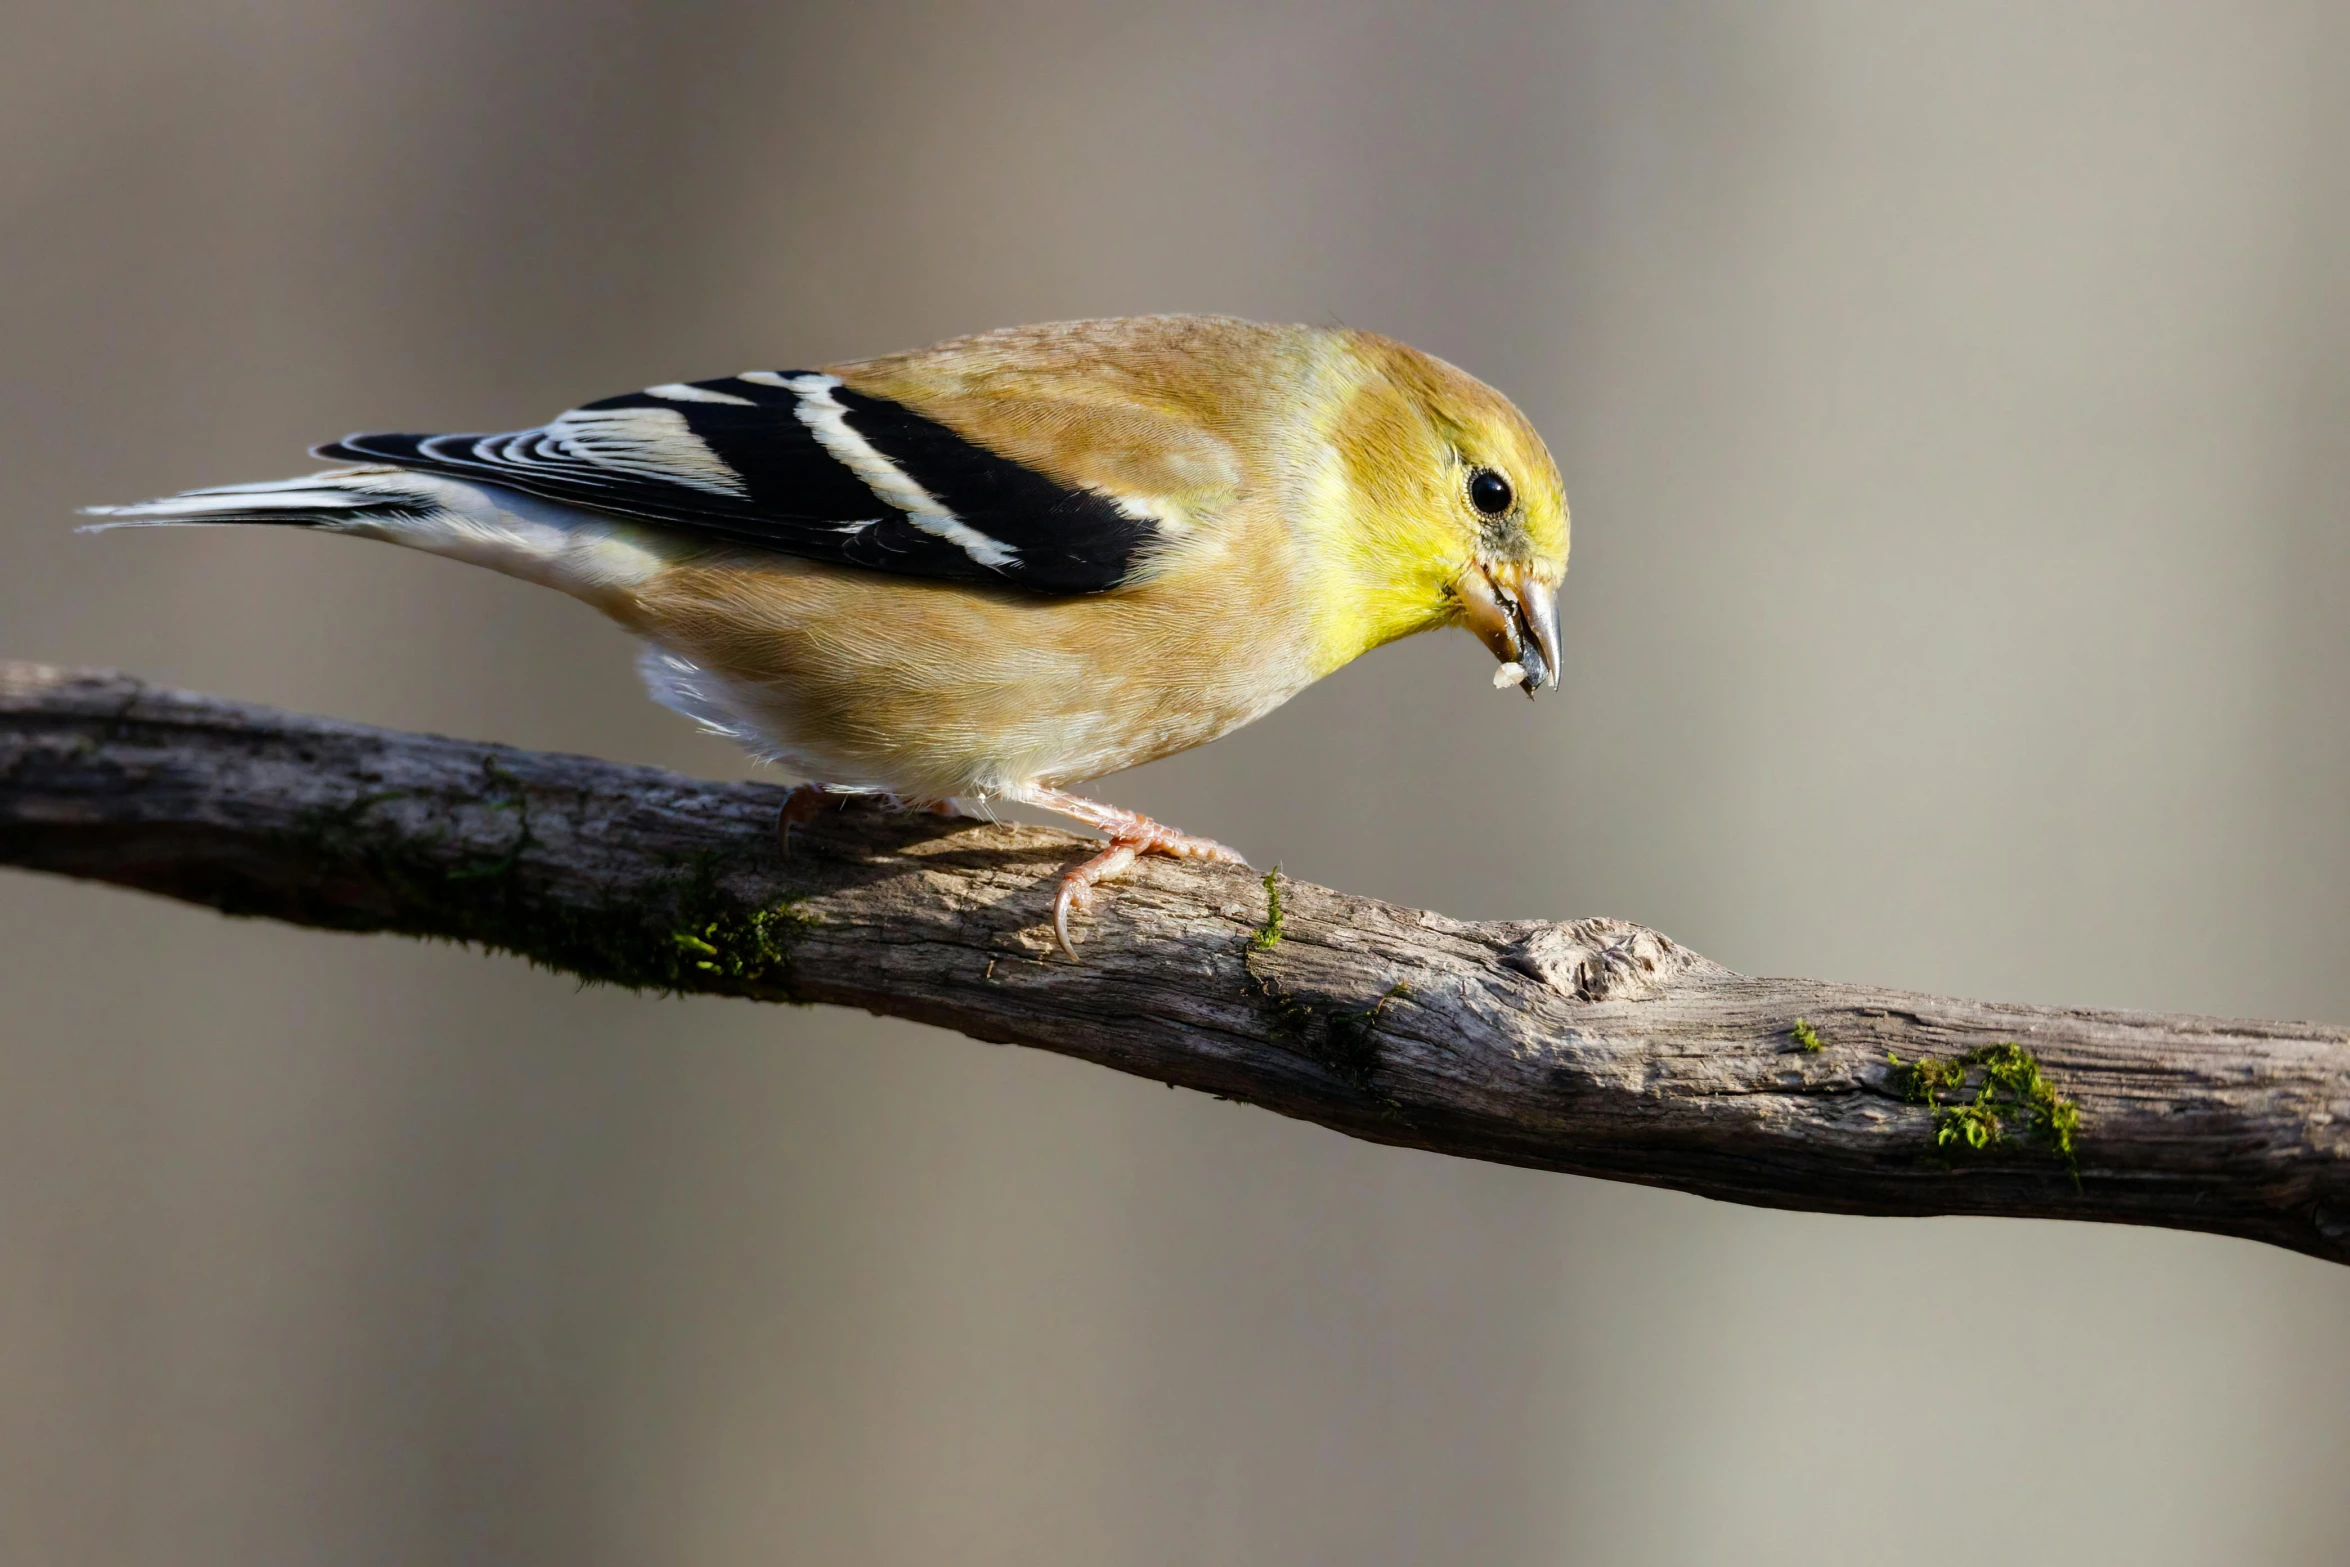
1448 511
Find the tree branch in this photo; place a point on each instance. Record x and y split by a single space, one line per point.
1595 1047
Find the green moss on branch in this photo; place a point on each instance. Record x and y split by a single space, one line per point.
2009 1091
1268 935
681 931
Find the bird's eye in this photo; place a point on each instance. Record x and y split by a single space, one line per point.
1489 492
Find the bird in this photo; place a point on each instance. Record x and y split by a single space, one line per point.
1003 565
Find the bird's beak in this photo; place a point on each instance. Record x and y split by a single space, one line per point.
1516 615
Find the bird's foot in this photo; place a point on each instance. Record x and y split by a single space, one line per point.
800 807
807 801
1131 836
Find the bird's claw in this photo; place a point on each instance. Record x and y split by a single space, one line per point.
799 808
1077 886
807 801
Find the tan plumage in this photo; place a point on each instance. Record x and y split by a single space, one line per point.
1301 495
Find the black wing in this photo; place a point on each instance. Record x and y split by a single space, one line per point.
795 461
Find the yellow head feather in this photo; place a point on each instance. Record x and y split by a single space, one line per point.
1394 515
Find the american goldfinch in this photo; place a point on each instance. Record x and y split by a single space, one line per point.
1003 565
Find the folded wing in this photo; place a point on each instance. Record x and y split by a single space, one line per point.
803 463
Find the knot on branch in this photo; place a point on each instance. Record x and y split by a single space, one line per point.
1605 960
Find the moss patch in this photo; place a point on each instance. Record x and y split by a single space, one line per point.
1268 935
682 931
2009 1091
1344 1042
1807 1038
748 946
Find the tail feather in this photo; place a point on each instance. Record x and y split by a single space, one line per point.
346 500
484 524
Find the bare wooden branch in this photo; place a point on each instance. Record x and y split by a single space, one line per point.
1595 1047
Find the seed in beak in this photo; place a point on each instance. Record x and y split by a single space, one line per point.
1515 614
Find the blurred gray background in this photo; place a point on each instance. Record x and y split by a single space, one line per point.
1953 400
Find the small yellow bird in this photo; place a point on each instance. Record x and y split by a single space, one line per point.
1005 564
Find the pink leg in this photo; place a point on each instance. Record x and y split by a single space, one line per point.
1131 835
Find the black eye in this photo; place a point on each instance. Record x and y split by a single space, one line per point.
1489 492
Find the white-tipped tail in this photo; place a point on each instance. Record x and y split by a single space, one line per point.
301 502
482 524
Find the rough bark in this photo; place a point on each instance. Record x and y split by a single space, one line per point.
1595 1047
